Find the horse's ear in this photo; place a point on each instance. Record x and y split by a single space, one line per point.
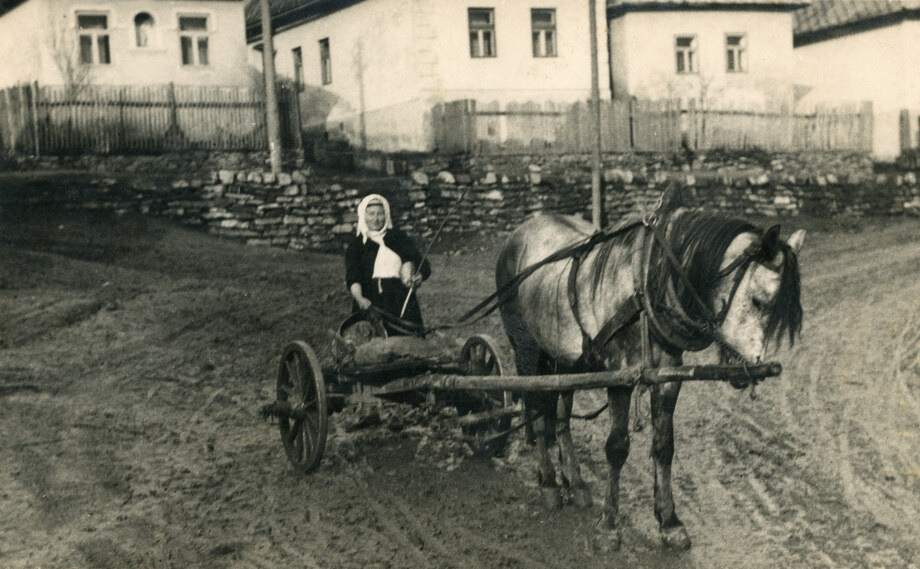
795 241
769 243
671 199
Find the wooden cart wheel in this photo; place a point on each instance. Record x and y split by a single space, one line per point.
480 355
300 383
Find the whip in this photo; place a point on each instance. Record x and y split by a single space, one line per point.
434 238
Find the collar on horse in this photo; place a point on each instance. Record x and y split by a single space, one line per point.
670 325
665 322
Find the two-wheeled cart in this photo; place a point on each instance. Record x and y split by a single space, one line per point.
475 375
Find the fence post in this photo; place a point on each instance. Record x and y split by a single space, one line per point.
8 103
904 130
34 123
866 124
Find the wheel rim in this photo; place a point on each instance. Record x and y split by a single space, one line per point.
300 383
480 356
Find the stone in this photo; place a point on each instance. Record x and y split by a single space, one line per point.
495 195
294 220
298 177
832 179
284 179
446 177
342 228
259 242
419 178
536 178
463 178
291 190
489 179
180 184
254 177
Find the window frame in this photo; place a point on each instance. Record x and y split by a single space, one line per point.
736 55
483 33
539 33
137 29
195 38
297 59
98 37
325 61
681 55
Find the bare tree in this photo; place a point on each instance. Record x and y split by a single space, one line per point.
65 49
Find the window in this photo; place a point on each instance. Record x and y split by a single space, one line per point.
736 53
94 38
543 25
143 28
482 32
297 56
325 61
685 48
193 39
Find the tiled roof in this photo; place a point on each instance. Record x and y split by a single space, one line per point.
825 15
616 8
703 3
287 12
7 5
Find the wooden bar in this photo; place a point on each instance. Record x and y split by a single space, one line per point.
594 380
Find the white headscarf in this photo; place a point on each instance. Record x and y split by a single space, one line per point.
363 230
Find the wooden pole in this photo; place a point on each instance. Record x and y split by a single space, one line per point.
594 380
596 201
273 121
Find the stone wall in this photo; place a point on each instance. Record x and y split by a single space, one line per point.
304 210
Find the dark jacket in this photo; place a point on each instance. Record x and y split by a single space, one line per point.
360 257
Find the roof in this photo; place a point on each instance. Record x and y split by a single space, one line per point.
617 8
8 5
289 13
825 19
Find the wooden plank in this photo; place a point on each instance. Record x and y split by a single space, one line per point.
595 380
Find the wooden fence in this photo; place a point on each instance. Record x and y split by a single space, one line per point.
636 125
107 119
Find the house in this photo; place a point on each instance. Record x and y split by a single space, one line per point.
851 50
372 70
123 42
724 53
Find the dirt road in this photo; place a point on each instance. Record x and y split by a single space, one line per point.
134 356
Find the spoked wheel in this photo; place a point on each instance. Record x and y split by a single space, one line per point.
301 385
492 410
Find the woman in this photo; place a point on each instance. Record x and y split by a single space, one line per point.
382 267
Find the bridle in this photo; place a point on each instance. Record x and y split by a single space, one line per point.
708 327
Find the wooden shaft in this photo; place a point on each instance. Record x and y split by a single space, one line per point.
593 380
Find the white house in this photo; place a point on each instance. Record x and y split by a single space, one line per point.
123 42
852 50
373 69
727 53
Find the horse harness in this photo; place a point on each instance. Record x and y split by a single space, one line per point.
640 303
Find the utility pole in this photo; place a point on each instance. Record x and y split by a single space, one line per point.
596 201
271 96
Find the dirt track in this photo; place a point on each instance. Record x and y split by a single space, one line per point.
134 356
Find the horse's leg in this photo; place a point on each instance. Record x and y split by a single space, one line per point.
542 405
617 449
571 475
636 409
663 402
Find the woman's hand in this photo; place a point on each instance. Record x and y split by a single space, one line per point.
363 302
408 276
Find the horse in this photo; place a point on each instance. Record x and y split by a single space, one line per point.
642 293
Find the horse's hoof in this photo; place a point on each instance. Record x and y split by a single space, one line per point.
552 499
581 497
609 541
675 537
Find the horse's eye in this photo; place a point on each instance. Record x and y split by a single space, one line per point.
760 305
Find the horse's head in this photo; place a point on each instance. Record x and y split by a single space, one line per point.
757 295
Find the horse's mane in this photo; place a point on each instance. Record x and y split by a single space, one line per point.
700 240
